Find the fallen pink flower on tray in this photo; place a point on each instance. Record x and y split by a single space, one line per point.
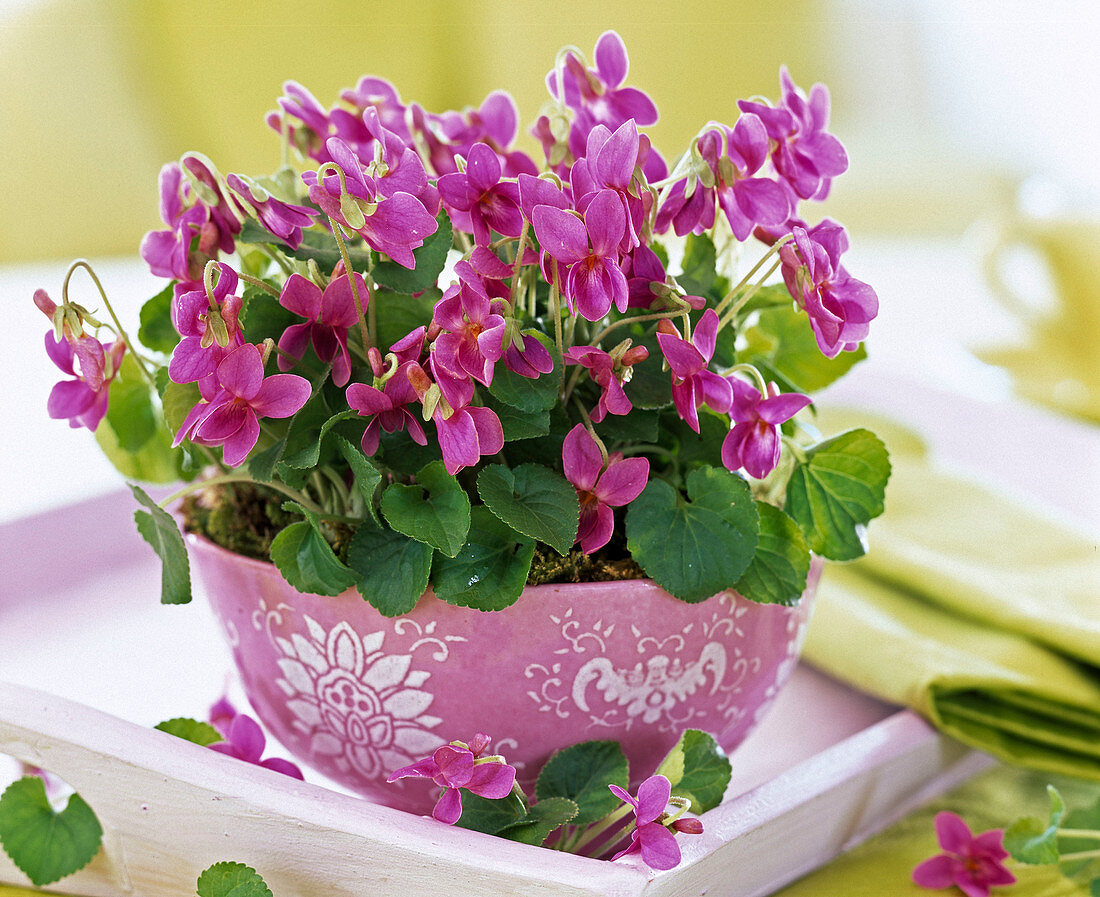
972 863
245 740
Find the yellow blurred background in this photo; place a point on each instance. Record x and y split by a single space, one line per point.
96 96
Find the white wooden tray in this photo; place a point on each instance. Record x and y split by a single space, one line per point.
79 618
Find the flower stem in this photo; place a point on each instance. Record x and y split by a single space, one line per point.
743 300
1079 855
82 263
242 478
598 828
259 284
555 310
519 261
772 250
1090 834
638 319
363 331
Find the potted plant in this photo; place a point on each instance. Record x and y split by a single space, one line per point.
475 443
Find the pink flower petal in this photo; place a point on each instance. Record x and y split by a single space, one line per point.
69 398
281 395
560 233
247 737
659 848
595 527
241 372
935 873
490 432
612 61
605 220
278 764
653 797
338 302
301 296
449 808
952 832
482 168
491 780
236 448
581 458
622 482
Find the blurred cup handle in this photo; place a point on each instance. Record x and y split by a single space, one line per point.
993 265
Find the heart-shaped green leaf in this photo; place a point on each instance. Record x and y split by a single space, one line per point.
529 393
156 330
698 546
542 819
393 569
45 844
398 314
307 561
490 570
435 509
698 769
837 491
783 340
582 773
532 500
231 880
1030 840
158 528
778 571
191 730
429 261
481 814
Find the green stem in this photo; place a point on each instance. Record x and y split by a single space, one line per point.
779 244
751 370
598 828
1090 834
256 282
276 257
242 478
519 261
743 300
1079 855
82 263
638 319
363 332
555 310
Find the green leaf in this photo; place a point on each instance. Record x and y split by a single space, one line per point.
778 571
698 769
304 438
700 260
490 570
231 880
1030 840
582 773
532 500
155 462
396 315
526 393
702 449
435 509
482 814
177 401
317 245
130 410
430 259
156 330
650 387
837 491
158 528
45 844
1083 819
261 465
772 295
307 561
637 426
694 548
542 819
519 424
393 569
192 730
262 317
782 338
1094 887
367 476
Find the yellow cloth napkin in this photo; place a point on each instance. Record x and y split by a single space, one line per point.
883 864
981 614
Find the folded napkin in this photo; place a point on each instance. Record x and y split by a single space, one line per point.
883 865
980 613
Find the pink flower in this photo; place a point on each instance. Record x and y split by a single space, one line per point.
610 372
478 201
386 401
285 220
231 407
973 864
245 741
328 316
472 340
692 383
599 489
458 765
590 249
753 443
83 400
651 837
210 330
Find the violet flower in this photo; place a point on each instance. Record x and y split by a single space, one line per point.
472 340
804 153
328 316
840 308
228 414
478 201
221 715
599 488
83 400
245 741
458 765
386 402
973 864
283 219
395 224
210 331
753 443
651 836
590 249
313 126
609 371
169 253
610 162
692 383
531 361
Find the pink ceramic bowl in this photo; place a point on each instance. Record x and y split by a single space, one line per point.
357 695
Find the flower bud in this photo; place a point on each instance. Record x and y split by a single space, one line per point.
689 826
